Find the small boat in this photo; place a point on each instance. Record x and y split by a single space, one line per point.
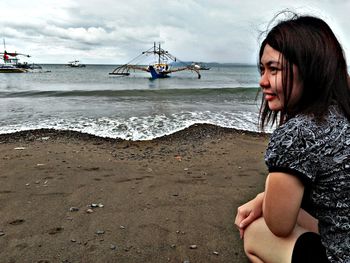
199 66
161 66
75 64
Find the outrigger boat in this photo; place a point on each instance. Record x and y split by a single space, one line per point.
11 63
161 68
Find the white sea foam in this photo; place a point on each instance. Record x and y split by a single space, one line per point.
142 128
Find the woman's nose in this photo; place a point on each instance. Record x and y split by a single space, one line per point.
264 81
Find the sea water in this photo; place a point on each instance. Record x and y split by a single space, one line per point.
131 107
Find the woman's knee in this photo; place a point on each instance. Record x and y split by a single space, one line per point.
258 241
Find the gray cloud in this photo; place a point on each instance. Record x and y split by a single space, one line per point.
115 31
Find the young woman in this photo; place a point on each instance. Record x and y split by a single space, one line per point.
304 213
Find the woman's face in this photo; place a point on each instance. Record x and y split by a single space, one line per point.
271 80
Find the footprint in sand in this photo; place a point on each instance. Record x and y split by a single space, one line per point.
17 222
55 230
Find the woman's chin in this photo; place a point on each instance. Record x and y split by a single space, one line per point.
275 106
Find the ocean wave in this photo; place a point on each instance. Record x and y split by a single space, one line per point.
129 93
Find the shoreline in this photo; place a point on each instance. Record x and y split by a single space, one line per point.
169 199
203 127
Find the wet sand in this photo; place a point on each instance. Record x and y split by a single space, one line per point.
72 197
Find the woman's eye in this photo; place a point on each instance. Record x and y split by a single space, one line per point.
262 71
273 70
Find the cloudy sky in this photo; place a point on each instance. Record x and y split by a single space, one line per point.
115 31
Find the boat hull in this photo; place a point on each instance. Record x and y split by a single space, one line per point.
158 74
12 70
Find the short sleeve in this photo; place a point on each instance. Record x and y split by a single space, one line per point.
293 149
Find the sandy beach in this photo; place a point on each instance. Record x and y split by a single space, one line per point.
71 197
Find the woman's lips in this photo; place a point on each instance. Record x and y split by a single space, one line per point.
270 96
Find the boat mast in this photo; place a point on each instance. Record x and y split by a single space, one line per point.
157 51
163 55
159 54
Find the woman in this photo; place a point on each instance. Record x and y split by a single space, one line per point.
303 214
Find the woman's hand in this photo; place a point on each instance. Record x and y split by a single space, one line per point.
249 212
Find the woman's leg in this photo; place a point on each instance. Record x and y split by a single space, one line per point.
261 245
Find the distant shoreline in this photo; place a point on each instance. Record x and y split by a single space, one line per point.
211 64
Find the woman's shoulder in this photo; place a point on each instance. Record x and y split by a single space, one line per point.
306 146
300 126
308 125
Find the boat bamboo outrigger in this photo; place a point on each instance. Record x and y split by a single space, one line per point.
161 68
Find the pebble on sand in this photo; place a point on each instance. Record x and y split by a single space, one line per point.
74 209
100 232
113 247
20 148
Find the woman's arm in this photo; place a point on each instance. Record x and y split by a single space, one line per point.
281 203
307 221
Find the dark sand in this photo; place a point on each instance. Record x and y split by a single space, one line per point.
159 197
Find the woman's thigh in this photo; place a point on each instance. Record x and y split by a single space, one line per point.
261 244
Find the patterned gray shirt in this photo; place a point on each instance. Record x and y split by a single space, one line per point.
319 155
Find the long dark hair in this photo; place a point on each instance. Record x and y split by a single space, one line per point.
308 43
